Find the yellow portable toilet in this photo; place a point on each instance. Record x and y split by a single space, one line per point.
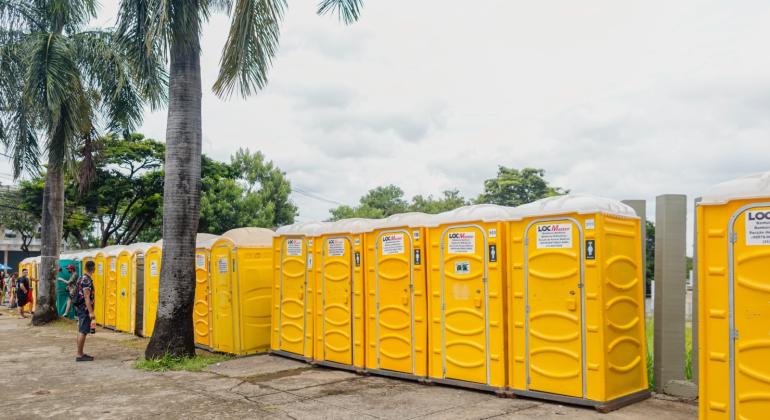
466 297
27 264
293 291
152 258
33 268
130 287
111 285
241 290
576 307
397 296
339 302
202 306
733 234
100 284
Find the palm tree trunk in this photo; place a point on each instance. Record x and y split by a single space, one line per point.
173 333
51 237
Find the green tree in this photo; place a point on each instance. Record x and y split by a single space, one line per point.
174 27
15 216
450 200
377 203
513 187
56 81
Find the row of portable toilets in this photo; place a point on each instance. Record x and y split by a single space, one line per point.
232 305
542 300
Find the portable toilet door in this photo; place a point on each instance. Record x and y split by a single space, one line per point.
467 297
202 312
733 231
339 314
124 295
34 281
152 259
223 313
252 281
111 286
577 321
396 296
100 284
293 291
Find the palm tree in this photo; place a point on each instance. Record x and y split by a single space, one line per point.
57 82
173 27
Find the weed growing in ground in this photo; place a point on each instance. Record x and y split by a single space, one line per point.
688 367
190 364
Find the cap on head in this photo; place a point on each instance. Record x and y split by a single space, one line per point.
71 267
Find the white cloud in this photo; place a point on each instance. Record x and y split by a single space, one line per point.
624 99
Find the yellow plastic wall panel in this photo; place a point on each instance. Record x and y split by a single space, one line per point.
254 279
396 305
100 292
292 297
111 292
202 307
340 300
223 321
123 303
467 318
152 258
553 322
714 340
618 251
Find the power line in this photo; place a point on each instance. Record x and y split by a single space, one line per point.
316 196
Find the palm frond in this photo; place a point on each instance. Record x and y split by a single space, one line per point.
20 15
251 45
69 15
107 71
347 10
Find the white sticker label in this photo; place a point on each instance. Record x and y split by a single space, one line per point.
416 234
590 224
556 235
336 247
112 265
463 267
123 269
758 227
493 233
222 264
462 242
153 268
357 242
393 244
293 247
310 261
200 261
100 268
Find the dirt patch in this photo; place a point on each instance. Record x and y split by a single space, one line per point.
265 377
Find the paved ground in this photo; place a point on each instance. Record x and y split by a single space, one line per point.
41 379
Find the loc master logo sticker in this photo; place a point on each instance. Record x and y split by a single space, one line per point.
556 235
336 247
463 267
758 227
462 242
222 264
200 261
293 247
392 244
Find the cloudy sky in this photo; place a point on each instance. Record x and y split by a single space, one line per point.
621 99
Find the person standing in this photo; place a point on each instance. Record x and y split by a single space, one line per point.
22 292
84 308
2 287
12 291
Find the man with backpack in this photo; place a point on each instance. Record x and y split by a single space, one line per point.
84 308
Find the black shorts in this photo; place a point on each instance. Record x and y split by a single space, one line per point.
21 300
84 320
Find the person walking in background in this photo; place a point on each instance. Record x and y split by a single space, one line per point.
22 292
84 307
71 292
12 291
2 287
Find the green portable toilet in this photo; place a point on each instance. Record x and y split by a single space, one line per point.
61 283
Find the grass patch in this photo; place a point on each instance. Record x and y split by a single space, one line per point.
688 367
190 364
